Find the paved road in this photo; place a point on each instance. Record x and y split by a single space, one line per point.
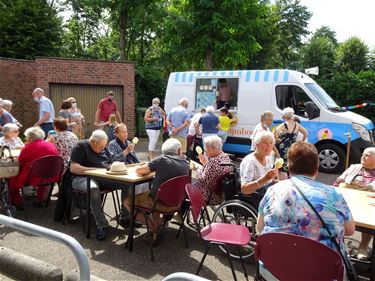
111 261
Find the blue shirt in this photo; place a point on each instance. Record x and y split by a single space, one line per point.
45 105
178 116
209 122
5 118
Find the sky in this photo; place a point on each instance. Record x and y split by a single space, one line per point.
346 17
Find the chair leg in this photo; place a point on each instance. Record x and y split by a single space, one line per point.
79 198
230 261
182 226
104 199
203 258
257 274
49 195
24 204
242 263
151 237
115 206
183 219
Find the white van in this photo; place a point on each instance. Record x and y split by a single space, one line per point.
253 91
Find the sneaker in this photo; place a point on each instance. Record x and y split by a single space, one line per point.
362 254
101 233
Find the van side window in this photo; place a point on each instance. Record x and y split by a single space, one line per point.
217 92
294 97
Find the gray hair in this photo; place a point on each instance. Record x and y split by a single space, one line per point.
38 90
370 150
262 136
184 102
213 142
210 108
155 100
9 127
265 115
34 133
288 113
170 147
7 102
98 135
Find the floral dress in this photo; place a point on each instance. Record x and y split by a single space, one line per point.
64 142
284 142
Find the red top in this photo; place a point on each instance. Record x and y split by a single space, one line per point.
106 108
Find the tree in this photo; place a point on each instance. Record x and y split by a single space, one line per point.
29 28
353 55
326 32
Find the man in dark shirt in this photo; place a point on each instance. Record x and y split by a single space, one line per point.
88 155
210 123
169 165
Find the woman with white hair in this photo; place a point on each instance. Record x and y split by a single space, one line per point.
210 123
154 122
211 174
286 134
10 137
256 169
35 148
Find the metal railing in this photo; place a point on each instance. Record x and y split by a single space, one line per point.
70 242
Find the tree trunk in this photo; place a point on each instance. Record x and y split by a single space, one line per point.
209 60
123 22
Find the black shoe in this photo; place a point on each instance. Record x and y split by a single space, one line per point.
101 233
126 222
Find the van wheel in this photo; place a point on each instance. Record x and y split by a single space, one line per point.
332 158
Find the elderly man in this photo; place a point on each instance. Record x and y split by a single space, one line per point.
178 120
166 166
8 105
361 177
106 107
121 149
88 155
46 111
210 123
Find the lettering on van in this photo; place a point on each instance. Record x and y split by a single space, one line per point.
240 132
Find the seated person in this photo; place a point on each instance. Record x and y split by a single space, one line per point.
166 166
256 169
10 138
88 155
35 148
211 172
284 210
361 177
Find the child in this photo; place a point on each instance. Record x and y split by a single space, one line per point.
111 124
226 120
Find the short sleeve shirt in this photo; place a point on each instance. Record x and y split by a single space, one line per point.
178 116
251 169
209 122
106 108
65 141
45 105
258 128
5 118
285 210
225 122
165 168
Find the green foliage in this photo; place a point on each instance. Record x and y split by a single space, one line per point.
352 55
325 32
149 83
29 28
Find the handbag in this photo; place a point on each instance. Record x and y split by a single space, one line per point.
350 270
9 166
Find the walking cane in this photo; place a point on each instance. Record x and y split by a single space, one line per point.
347 150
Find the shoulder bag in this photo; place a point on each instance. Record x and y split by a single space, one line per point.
9 166
350 270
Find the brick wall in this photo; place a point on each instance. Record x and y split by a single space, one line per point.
18 78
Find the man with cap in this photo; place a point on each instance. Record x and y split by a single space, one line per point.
106 107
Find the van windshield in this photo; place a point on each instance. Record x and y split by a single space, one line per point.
323 98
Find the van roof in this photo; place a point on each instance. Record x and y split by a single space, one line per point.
268 75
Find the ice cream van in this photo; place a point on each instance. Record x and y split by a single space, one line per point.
253 91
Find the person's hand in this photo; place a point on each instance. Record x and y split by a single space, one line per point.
174 130
50 139
202 159
271 174
129 149
155 119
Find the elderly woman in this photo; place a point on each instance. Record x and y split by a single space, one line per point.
286 134
256 169
76 117
361 177
64 140
211 172
64 113
283 209
10 137
35 148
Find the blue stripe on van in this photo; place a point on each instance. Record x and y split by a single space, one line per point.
231 73
257 75
266 75
276 76
191 77
239 73
183 77
206 73
236 148
176 77
248 76
199 74
286 76
214 73
223 73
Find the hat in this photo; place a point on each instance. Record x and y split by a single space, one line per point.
117 168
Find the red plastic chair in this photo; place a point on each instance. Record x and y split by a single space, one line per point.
170 193
293 257
44 171
217 233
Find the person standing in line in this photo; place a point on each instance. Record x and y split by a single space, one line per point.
227 120
46 111
77 117
153 122
106 107
210 123
64 113
193 133
266 119
178 121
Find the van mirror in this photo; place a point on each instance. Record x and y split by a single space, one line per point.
312 110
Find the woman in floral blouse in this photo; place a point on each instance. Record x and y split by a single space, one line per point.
210 175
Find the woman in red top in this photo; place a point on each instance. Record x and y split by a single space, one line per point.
35 148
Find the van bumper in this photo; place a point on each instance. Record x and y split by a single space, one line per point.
357 147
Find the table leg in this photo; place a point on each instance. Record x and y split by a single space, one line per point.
372 270
88 206
129 242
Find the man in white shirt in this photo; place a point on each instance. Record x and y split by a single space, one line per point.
266 119
46 111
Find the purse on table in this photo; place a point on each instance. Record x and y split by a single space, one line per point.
9 166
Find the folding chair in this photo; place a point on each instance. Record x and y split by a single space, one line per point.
222 234
293 257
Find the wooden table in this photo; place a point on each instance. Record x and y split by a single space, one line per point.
132 179
363 215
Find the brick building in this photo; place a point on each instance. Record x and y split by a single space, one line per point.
86 80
